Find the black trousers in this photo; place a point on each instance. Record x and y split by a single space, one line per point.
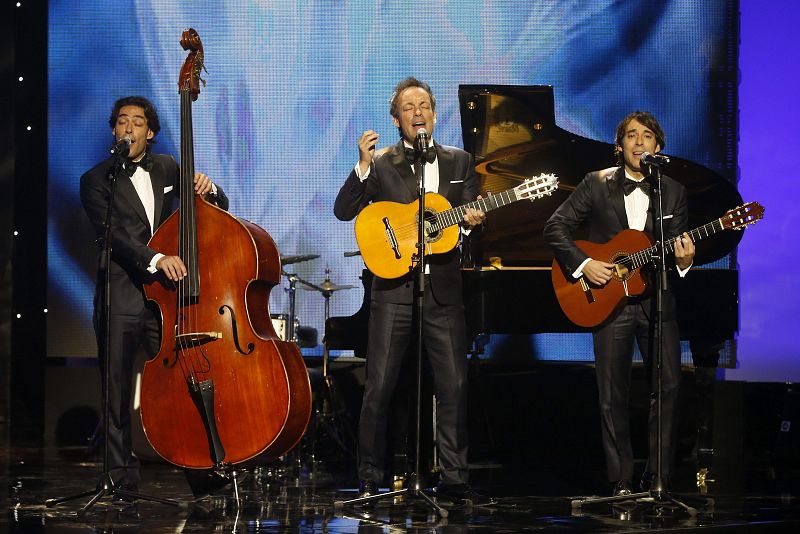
391 329
613 350
128 333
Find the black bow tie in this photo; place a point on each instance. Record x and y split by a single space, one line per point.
429 155
145 163
629 186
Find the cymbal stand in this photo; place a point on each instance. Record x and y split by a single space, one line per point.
292 291
329 404
339 428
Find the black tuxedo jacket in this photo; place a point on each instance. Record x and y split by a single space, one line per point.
600 202
130 228
391 178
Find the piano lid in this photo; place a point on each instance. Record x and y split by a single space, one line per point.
511 132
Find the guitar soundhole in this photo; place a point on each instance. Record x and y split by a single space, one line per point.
431 218
621 272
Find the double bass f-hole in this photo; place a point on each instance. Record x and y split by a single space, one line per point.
235 330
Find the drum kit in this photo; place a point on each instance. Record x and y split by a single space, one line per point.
287 325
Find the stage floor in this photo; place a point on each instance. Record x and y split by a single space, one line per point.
534 444
293 498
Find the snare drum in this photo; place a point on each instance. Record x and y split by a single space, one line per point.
280 322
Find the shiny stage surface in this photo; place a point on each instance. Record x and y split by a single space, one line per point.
535 447
290 498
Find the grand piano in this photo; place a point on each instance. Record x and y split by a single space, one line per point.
512 134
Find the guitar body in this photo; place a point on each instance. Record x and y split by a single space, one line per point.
590 305
386 233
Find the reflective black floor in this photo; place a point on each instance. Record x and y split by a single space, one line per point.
290 497
536 460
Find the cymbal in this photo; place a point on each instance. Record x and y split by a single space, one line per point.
327 285
286 260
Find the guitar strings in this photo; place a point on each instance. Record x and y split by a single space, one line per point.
638 259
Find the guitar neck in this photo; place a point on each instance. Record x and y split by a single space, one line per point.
456 215
642 257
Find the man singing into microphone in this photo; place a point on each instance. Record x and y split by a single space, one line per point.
146 187
610 201
390 177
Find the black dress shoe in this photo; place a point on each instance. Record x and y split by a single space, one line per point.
367 488
646 481
129 488
462 495
205 483
622 487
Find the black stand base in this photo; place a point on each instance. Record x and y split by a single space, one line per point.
649 497
110 490
413 490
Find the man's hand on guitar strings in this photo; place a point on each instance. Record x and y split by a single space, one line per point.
473 217
684 251
598 272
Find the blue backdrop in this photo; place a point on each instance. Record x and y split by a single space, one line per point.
292 84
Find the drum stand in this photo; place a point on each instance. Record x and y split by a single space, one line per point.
338 427
329 410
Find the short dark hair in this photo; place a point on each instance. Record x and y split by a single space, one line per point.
648 120
404 84
150 112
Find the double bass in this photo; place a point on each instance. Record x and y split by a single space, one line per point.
223 388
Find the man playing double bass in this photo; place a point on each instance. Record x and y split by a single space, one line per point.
147 187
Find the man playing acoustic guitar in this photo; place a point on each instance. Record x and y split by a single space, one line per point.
389 176
610 201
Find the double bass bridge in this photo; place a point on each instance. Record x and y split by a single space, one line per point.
195 339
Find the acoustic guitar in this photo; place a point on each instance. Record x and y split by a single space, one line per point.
588 305
386 232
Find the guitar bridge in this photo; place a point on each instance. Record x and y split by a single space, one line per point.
392 238
587 291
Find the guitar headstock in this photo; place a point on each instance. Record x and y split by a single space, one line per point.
738 218
537 187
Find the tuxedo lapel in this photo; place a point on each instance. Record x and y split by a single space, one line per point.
157 183
617 196
404 169
447 162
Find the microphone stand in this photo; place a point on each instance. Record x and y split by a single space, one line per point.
107 486
414 488
657 492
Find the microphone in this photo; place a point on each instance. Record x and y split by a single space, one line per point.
653 159
122 147
421 142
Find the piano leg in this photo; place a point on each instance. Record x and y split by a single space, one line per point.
477 390
705 355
